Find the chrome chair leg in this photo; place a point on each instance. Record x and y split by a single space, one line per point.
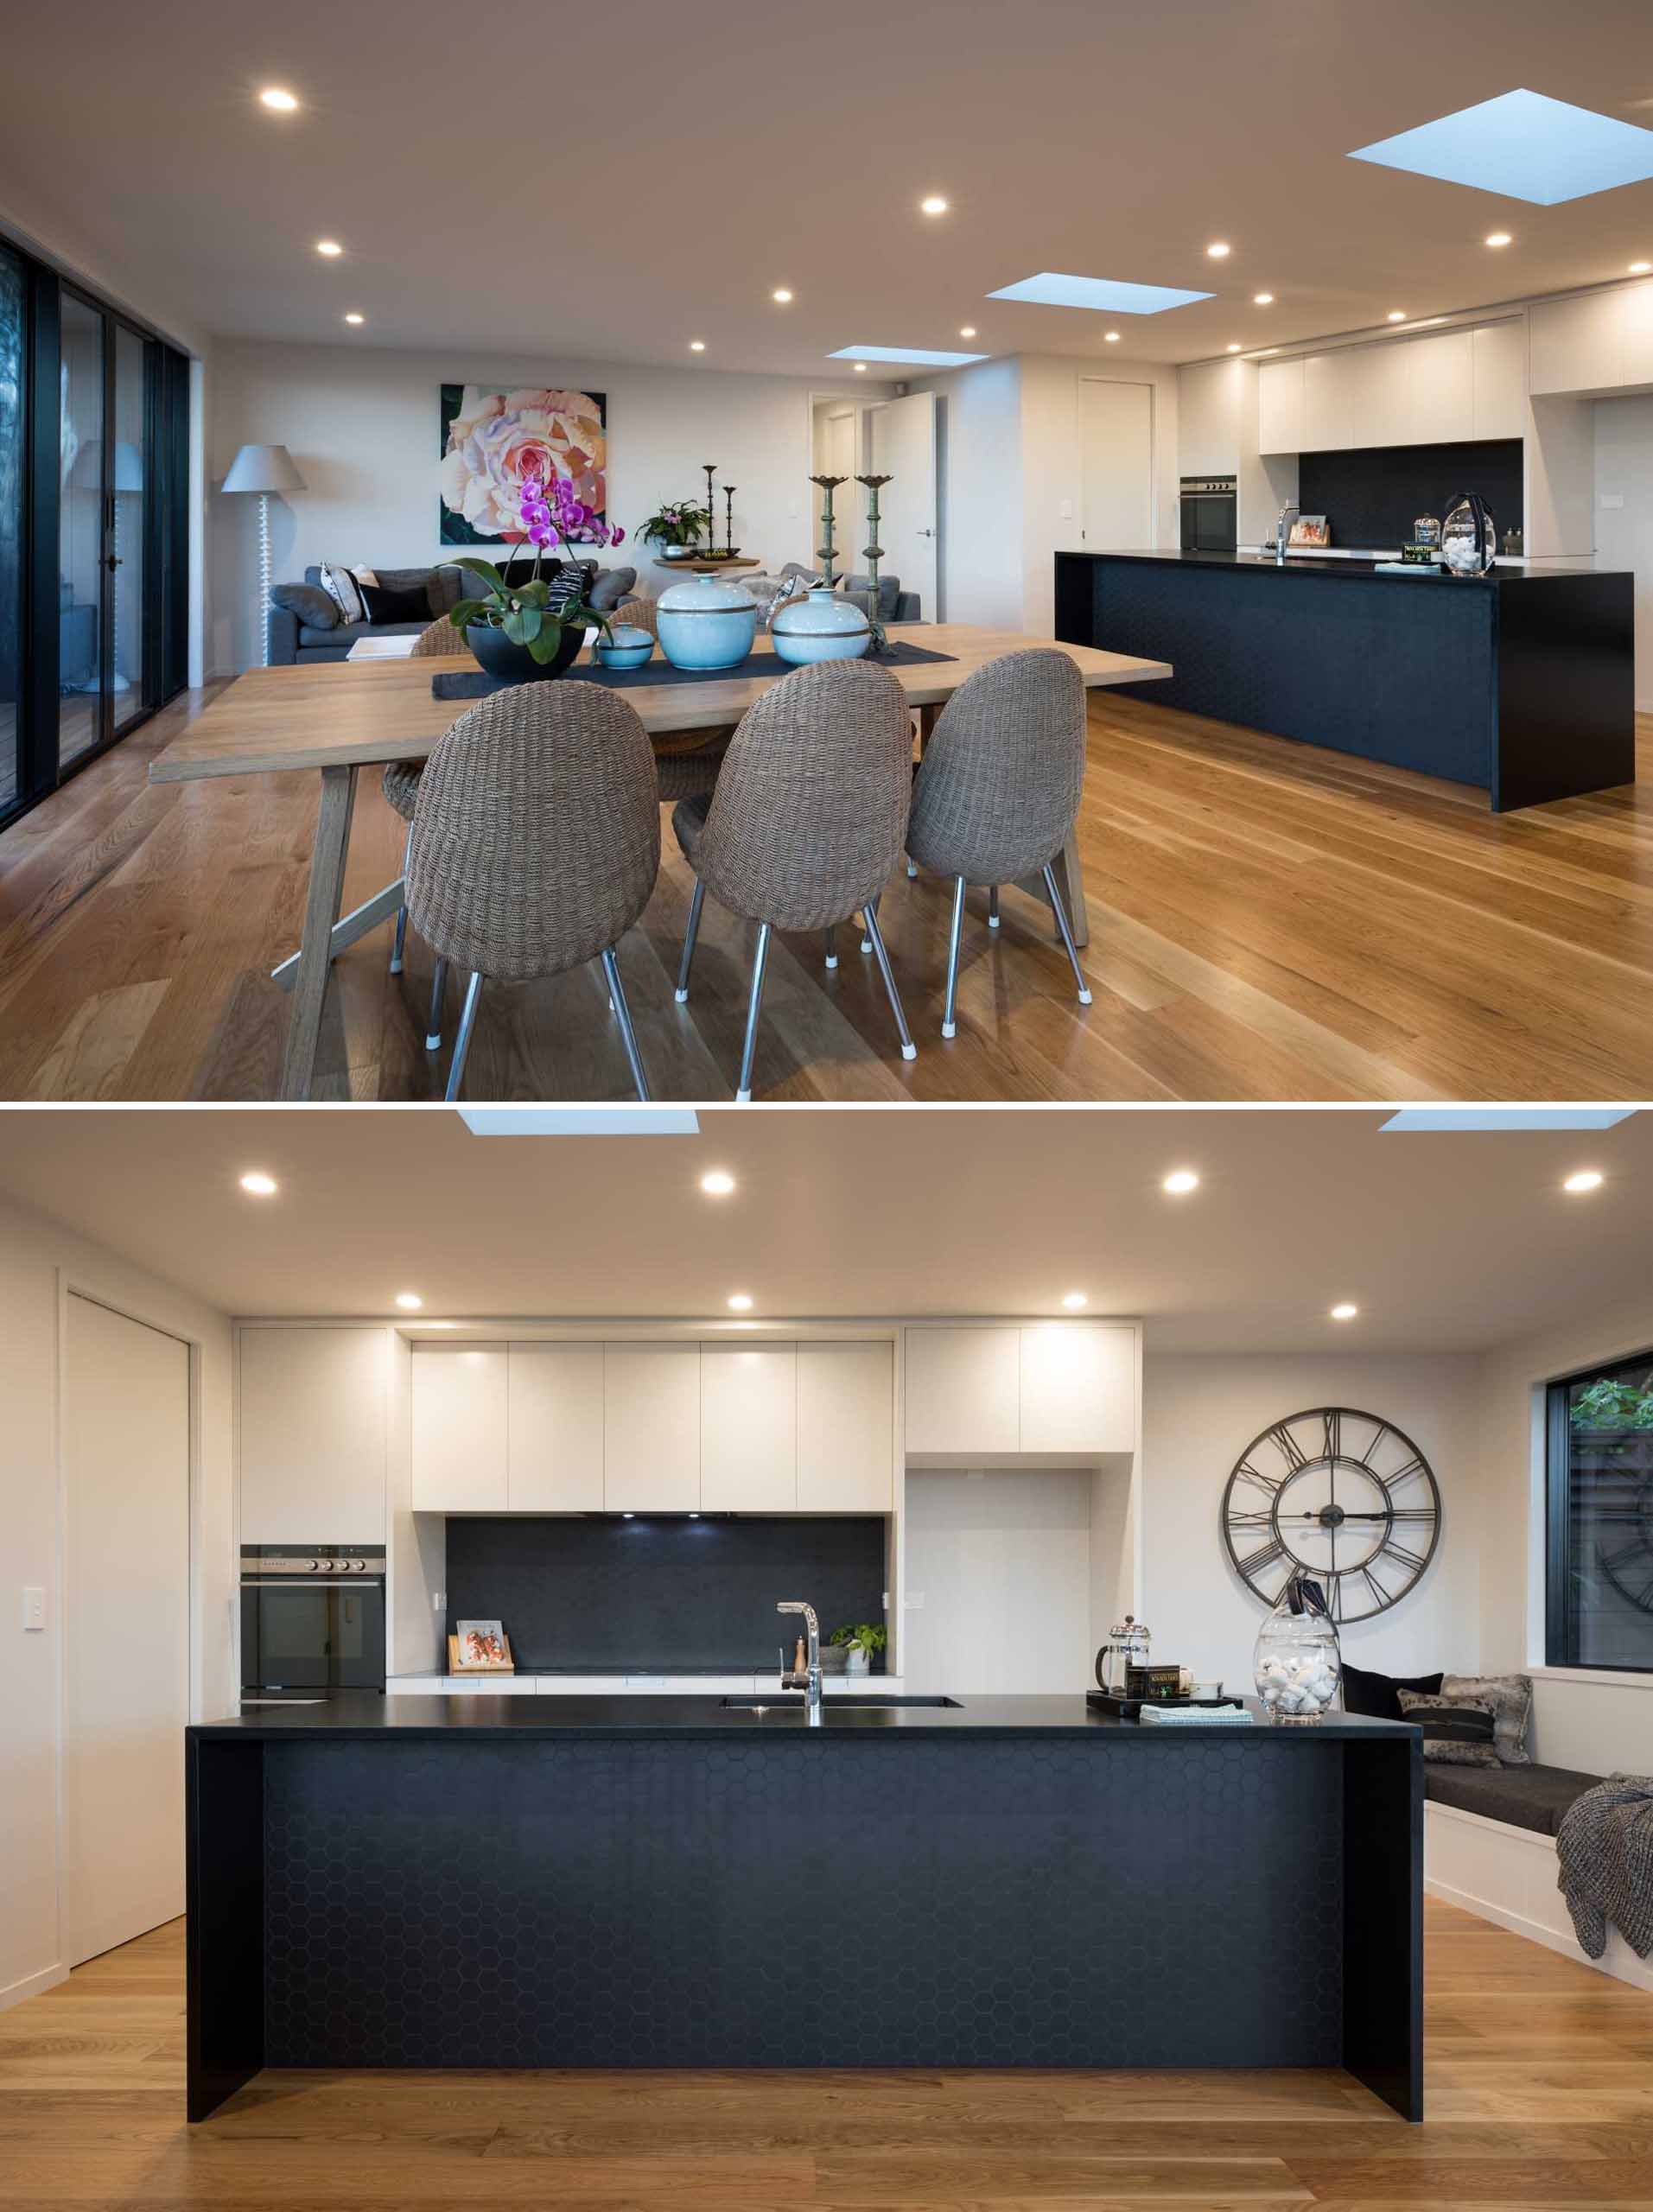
831 945
401 936
993 908
438 991
462 1042
866 934
912 870
688 936
743 1091
1067 935
617 1000
909 1050
949 1027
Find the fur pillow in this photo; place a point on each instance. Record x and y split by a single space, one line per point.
1511 1697
1455 1734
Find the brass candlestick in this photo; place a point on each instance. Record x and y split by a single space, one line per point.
875 554
729 521
829 484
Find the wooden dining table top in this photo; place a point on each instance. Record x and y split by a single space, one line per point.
353 714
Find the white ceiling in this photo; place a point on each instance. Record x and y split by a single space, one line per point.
608 183
1447 1242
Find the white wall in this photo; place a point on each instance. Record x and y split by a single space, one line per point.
1003 1561
1201 1411
37 1258
1623 535
1591 1725
978 493
364 427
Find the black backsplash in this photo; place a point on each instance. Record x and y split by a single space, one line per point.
610 1596
1373 495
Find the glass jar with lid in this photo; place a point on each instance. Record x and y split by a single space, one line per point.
1426 531
1297 1663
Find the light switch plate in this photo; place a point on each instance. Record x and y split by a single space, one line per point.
1612 499
34 1607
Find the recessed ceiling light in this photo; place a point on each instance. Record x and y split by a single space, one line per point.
860 368
1523 145
1180 1182
741 1302
628 1516
1110 338
1217 250
329 249
969 330
1498 238
717 1182
1074 1300
697 345
409 1301
258 1183
354 318
1234 349
1108 295
1398 315
1586 1178
920 356
694 1516
277 99
781 297
1640 268
1344 1312
933 204
1262 299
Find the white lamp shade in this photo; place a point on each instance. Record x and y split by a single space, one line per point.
87 473
263 469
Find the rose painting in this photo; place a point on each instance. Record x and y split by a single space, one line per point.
491 439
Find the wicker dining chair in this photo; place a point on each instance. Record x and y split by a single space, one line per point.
400 784
639 614
998 790
807 819
535 845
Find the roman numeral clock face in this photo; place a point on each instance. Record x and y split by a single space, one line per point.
1344 1495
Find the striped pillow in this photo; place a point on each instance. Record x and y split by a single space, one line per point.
1455 1735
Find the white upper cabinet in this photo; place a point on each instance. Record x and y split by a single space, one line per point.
1328 402
846 1427
1208 418
748 1428
312 1422
1636 360
1578 345
460 1428
963 1390
1279 407
555 1408
1078 1388
1379 395
1500 360
651 1427
1441 389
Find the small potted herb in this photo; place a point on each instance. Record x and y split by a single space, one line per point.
860 1641
512 628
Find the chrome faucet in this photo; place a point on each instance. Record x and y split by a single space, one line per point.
1287 516
812 1674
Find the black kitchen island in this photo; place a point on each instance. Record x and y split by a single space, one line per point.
1522 682
543 1881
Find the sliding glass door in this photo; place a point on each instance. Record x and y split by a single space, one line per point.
80 533
14 329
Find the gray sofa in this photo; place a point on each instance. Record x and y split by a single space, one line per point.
295 638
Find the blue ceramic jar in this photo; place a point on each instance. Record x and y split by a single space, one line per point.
706 623
823 627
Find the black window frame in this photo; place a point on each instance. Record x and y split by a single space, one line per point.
1560 1625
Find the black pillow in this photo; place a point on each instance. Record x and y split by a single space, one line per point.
1376 1697
385 605
316 608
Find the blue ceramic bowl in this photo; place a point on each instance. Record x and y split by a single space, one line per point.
627 647
706 623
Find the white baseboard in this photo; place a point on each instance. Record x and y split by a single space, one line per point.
32 1985
1507 1875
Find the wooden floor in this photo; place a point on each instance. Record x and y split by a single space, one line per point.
1269 921
1539 2095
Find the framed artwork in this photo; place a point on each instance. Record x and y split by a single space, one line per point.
1311 529
492 439
482 1644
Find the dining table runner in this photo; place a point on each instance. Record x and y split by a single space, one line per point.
477 683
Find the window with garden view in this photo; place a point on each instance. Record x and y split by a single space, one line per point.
1600 1595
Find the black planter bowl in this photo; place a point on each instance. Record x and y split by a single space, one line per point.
503 657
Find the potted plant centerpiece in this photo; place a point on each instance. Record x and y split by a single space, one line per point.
676 528
521 630
861 1641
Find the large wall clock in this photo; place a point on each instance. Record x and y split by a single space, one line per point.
1339 1493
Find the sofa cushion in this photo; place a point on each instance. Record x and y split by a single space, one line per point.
345 634
889 591
314 608
1376 1695
1456 1735
1533 1797
611 586
1511 1697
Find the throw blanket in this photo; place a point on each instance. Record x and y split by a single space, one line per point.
1604 1847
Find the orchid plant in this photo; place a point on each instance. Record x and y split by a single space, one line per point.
680 522
552 514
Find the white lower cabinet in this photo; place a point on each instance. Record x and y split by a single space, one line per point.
460 1426
650 1429
846 1427
555 1447
748 1428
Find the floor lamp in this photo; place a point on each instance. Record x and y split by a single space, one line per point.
263 469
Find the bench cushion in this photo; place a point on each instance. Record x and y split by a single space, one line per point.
1534 1797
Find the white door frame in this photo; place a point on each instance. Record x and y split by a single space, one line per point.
1152 445
74 1285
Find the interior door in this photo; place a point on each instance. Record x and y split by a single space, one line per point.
904 449
1117 464
126 1627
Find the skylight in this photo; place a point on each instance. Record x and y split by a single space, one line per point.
909 353
581 1121
1524 145
1106 294
1410 1119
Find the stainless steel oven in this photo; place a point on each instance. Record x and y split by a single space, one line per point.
1210 514
312 1621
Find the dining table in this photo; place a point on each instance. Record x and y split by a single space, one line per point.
333 719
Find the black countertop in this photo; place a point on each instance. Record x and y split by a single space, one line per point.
446 1715
1309 565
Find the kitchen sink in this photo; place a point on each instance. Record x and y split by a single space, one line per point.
793 1701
